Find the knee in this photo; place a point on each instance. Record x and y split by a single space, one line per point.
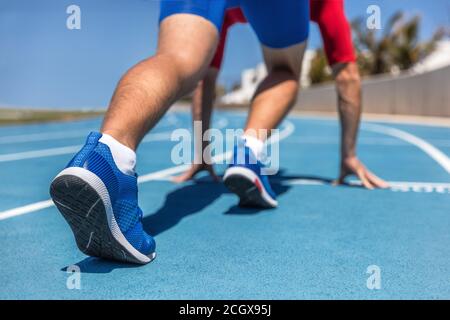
290 80
184 63
348 76
185 68
292 87
285 81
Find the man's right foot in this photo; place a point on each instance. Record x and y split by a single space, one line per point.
245 179
100 204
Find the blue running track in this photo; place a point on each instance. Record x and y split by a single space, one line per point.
317 244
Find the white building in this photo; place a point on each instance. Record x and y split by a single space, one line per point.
438 59
250 78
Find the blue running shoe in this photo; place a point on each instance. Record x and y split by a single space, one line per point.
243 177
100 204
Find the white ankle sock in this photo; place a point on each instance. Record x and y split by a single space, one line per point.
254 144
124 157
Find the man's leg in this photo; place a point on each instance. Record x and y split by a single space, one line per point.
97 192
272 101
277 92
186 46
284 42
203 101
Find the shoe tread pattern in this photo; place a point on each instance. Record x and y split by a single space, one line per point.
246 190
84 211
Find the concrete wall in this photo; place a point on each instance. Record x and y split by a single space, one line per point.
426 94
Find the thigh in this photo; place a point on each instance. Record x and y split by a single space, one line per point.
188 42
278 23
189 31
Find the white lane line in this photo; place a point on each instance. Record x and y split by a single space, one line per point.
161 136
33 137
166 136
26 209
396 186
39 153
55 135
393 184
289 129
362 140
158 175
432 151
162 174
420 187
166 174
158 136
367 141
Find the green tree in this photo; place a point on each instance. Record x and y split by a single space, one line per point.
318 71
406 50
398 46
374 53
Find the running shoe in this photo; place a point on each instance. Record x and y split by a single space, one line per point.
244 178
100 203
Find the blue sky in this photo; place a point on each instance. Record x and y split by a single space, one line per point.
43 64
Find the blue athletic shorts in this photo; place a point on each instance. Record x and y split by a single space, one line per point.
277 23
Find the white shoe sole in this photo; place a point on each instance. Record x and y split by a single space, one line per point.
84 201
248 187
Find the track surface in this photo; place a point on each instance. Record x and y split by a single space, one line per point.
318 243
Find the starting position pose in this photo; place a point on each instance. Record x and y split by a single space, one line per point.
97 191
336 35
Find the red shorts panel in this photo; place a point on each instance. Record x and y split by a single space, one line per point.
335 30
232 16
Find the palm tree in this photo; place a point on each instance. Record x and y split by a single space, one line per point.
398 46
374 54
407 51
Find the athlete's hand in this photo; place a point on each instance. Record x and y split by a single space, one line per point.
352 166
194 170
